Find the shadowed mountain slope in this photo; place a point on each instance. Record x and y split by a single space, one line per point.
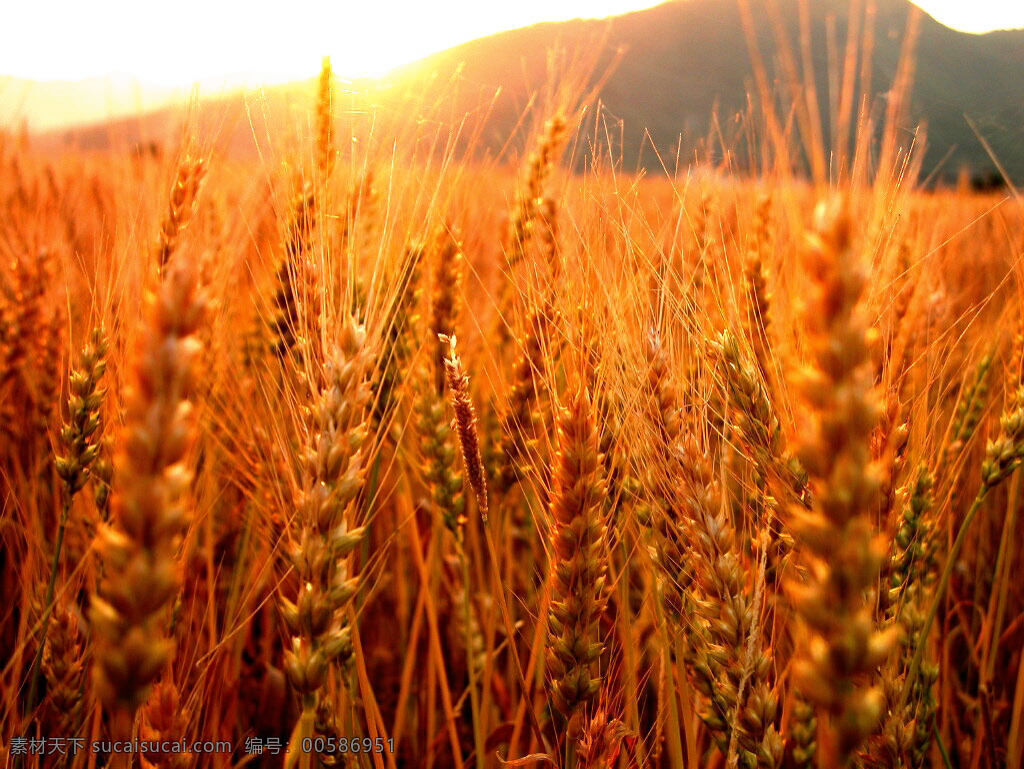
680 63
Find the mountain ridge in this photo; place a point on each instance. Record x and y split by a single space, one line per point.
687 59
687 56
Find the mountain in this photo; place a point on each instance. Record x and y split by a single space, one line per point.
55 103
681 62
687 58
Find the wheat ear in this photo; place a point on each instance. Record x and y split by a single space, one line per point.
149 516
578 559
840 647
465 424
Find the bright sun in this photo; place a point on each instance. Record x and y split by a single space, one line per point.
140 55
212 42
215 42
976 16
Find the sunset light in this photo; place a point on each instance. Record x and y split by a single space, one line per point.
177 46
266 44
511 384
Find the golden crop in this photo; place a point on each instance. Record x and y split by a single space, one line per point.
396 459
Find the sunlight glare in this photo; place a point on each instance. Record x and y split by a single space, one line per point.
216 43
219 44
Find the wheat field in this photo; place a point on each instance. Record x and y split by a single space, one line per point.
367 454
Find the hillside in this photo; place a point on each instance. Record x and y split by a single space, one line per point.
57 103
684 58
681 62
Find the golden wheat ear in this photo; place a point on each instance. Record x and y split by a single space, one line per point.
81 450
326 154
64 666
181 207
150 512
578 560
334 470
465 424
836 534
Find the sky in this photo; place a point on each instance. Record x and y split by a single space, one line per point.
219 43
